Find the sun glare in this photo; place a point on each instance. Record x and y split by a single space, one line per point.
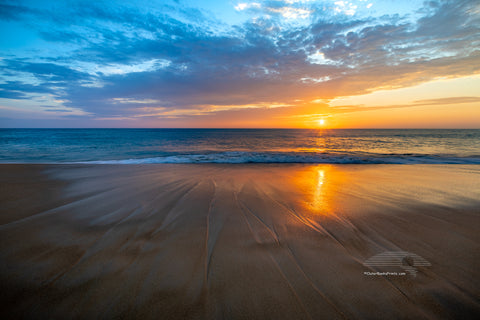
321 122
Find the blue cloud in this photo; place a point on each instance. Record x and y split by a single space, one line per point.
13 11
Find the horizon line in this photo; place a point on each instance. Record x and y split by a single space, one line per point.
235 128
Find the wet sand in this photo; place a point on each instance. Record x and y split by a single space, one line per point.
239 241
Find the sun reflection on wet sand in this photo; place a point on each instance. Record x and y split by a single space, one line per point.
319 185
318 195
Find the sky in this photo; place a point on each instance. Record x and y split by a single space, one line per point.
240 64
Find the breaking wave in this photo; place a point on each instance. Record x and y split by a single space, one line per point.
298 157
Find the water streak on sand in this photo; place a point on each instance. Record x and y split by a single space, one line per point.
251 241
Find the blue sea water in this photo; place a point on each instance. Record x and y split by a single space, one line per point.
136 146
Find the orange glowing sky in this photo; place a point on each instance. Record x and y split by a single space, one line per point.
240 64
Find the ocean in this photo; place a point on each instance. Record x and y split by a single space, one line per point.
138 146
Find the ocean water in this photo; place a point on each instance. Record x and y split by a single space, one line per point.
137 146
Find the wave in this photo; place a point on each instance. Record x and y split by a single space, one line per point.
298 157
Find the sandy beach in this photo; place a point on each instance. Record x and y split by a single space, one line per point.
251 241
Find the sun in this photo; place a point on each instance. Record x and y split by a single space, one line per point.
321 122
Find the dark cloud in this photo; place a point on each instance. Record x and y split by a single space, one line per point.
57 110
12 94
21 90
46 71
12 11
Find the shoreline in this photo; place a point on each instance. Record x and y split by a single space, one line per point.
256 241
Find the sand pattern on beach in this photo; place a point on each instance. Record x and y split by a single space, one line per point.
238 241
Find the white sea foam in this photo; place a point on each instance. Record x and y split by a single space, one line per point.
295 157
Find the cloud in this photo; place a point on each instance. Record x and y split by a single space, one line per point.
114 58
21 90
345 7
291 13
244 6
45 71
443 101
13 11
417 103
